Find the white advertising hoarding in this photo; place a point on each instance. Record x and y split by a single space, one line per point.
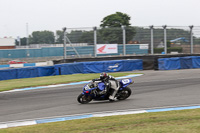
106 48
144 46
7 42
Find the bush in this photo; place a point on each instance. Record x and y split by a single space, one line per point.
169 50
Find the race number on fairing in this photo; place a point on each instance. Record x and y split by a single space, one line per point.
126 81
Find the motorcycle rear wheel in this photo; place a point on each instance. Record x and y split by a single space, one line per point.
124 94
83 99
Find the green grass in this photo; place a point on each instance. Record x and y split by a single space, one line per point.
184 121
50 80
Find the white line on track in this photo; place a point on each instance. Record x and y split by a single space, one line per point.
95 114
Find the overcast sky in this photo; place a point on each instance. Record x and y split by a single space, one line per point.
55 14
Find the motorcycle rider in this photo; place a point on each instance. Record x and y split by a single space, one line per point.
110 83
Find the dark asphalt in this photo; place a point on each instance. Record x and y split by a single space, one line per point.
153 89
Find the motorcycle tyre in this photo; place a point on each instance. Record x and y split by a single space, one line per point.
80 99
129 93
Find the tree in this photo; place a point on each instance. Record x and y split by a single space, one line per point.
41 37
75 36
59 37
78 36
88 37
111 28
116 20
144 35
23 41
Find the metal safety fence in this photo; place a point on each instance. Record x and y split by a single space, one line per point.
161 39
131 40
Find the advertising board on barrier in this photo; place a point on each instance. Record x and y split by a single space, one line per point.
144 46
106 48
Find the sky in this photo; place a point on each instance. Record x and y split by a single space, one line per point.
22 17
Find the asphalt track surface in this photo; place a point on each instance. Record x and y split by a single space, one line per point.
153 89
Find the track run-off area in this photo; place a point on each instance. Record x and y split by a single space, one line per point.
152 90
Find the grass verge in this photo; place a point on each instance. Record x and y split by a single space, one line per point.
184 121
6 85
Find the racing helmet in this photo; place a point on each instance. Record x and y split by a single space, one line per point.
103 75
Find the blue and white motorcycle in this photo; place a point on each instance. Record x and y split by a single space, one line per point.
90 91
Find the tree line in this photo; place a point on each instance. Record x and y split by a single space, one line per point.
110 31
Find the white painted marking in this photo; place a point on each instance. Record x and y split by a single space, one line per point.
119 113
10 91
41 64
16 65
23 123
3 126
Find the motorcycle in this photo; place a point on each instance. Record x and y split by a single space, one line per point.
91 89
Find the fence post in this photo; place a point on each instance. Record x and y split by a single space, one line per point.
152 47
95 41
191 39
165 38
27 39
64 42
124 40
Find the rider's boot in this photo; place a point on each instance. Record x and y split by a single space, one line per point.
112 96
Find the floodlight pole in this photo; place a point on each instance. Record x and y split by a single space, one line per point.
27 39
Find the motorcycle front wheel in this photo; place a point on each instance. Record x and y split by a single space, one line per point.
124 94
83 99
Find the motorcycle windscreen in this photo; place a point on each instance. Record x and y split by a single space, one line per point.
101 86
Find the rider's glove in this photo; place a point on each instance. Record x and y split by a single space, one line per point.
102 92
106 84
